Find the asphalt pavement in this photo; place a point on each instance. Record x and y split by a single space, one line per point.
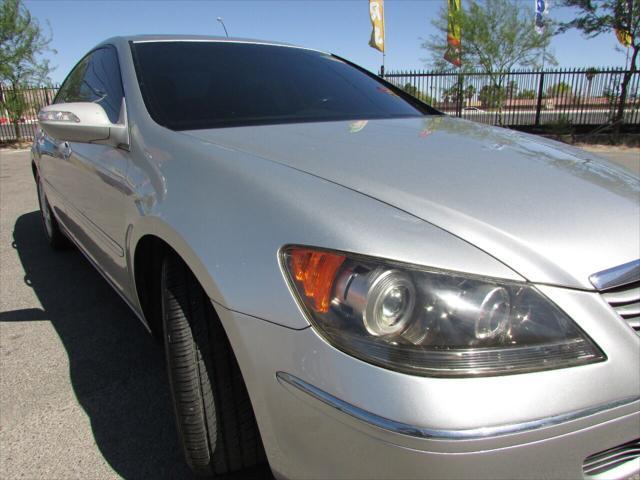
83 389
629 158
83 386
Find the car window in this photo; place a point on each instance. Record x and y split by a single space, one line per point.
191 85
95 79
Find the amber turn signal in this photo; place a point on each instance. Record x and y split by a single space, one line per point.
316 271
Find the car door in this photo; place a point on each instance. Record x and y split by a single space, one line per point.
54 165
92 177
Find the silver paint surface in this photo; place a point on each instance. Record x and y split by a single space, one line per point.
438 192
547 210
420 432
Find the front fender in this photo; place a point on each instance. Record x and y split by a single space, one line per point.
228 213
155 226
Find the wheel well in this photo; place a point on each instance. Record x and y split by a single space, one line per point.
148 257
147 262
147 266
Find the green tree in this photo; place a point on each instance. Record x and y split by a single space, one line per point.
16 105
590 74
612 93
497 36
526 94
469 92
22 43
492 96
560 89
413 90
595 17
451 94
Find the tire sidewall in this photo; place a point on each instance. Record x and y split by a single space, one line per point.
203 470
42 200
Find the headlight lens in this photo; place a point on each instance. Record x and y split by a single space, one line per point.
433 323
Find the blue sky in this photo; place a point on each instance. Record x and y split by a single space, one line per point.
336 26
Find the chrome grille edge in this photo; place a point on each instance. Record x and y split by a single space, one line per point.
617 276
603 462
620 288
625 301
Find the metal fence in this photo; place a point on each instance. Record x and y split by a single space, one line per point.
564 97
22 104
522 98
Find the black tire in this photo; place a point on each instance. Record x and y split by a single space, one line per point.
215 421
52 231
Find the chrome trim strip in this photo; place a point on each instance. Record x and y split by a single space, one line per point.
224 40
441 434
625 296
616 276
630 310
633 323
624 471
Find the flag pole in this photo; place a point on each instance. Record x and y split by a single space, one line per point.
384 45
626 61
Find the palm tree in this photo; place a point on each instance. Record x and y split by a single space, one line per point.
469 92
590 75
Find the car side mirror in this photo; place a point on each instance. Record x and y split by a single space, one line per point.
83 122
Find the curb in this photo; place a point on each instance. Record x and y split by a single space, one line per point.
11 150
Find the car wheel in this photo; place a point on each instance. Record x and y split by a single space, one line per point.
52 231
215 421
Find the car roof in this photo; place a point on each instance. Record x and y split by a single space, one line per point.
196 38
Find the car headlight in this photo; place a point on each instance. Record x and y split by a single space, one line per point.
432 323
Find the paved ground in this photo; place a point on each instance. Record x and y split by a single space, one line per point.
82 385
83 388
627 157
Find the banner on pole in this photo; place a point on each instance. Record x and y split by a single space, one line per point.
376 13
622 20
542 9
624 37
454 34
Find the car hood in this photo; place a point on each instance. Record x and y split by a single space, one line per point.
552 213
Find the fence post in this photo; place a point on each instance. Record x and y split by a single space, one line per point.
539 104
460 101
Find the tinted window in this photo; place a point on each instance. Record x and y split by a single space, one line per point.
190 85
95 79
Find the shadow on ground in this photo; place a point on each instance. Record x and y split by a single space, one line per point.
117 369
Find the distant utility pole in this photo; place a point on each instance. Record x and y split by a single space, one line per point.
223 26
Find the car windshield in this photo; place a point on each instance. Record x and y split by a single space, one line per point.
207 84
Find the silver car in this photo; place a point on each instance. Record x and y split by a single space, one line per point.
348 283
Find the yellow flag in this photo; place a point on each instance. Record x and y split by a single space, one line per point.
376 12
624 37
452 53
622 19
